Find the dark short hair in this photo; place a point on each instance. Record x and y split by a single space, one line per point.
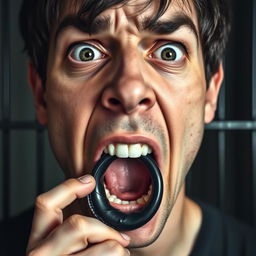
38 17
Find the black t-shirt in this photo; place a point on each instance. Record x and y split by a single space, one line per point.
219 235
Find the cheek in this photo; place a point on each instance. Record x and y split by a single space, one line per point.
192 119
69 108
192 139
182 103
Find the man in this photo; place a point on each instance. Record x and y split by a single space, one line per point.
121 77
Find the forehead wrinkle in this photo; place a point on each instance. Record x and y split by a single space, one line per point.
122 20
179 11
131 10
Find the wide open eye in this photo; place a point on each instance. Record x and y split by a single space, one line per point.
169 52
86 52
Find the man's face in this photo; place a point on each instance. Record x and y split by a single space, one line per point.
125 86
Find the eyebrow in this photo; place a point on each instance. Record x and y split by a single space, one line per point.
170 26
98 26
103 24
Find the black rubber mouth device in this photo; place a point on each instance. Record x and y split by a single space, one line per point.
121 221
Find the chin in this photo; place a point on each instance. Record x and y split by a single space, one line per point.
147 234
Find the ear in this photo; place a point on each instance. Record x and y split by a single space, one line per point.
211 97
38 91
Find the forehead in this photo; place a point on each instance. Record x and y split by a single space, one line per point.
134 11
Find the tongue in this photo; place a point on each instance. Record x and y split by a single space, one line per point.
127 178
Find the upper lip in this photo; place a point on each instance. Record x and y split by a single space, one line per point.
130 139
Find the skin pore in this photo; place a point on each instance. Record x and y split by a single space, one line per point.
129 93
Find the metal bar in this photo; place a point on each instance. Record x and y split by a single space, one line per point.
222 165
254 108
5 104
222 148
5 61
254 62
216 125
6 174
232 125
254 175
20 125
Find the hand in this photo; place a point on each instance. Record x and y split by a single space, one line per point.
77 235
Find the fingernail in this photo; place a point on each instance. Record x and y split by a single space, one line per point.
125 236
128 252
86 179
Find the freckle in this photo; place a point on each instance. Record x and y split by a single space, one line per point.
191 134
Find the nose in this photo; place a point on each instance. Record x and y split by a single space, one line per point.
128 92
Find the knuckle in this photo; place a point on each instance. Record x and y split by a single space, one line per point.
34 252
77 222
42 202
114 247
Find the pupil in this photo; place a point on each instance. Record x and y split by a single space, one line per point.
168 54
86 54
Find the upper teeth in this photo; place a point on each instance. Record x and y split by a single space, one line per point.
128 150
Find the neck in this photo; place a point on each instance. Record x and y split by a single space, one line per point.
180 231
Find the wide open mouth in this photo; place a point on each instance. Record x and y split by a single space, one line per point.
127 216
127 180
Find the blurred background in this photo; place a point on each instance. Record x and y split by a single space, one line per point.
224 173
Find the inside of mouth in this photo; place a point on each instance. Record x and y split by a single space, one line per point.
128 181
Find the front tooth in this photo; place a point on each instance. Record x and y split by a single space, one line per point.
122 151
134 150
125 202
111 149
144 149
149 150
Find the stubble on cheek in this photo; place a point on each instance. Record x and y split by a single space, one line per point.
192 140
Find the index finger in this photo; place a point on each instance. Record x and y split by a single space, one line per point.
48 207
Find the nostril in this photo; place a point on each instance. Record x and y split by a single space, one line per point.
114 101
145 102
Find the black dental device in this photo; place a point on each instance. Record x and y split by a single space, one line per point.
121 221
